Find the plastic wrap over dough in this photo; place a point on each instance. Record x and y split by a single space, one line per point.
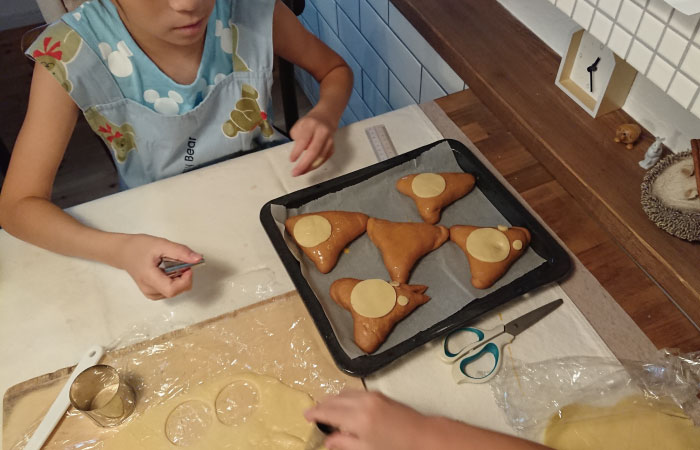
245 411
633 423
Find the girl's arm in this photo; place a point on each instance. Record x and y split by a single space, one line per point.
371 421
313 133
26 210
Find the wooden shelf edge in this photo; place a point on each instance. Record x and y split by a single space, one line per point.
488 79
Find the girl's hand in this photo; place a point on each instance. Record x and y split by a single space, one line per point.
369 421
313 141
140 256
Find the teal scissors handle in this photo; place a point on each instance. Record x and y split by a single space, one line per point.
493 347
450 355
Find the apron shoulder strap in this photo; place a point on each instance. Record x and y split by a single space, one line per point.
77 68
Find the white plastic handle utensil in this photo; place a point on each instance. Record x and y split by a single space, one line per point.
60 405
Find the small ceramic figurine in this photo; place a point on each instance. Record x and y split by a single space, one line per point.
653 154
628 133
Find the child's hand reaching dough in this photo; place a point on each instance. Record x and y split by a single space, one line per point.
313 142
371 421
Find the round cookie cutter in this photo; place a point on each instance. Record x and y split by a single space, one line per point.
102 394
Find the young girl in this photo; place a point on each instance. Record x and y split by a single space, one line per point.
169 85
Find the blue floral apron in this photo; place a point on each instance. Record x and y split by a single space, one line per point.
148 145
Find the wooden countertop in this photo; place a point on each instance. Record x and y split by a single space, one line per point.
512 72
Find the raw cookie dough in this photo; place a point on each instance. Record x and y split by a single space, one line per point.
373 298
433 191
273 420
324 248
370 333
402 244
488 245
311 230
490 251
428 185
633 423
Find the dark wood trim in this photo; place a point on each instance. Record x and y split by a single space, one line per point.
512 72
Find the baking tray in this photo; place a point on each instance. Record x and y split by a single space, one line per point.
551 260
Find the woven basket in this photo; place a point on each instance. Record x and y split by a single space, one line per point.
682 224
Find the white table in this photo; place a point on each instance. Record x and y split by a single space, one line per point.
53 307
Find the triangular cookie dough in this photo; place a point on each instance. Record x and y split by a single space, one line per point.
376 307
323 235
402 244
434 191
490 251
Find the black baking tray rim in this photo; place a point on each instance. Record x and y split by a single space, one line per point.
556 265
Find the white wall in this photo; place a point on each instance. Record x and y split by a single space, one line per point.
18 13
646 103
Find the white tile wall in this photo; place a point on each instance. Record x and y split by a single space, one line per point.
672 46
696 108
630 15
660 72
691 64
583 14
660 9
639 56
685 25
567 6
609 7
620 41
682 89
601 26
650 29
661 43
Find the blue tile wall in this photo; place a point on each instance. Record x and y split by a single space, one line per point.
426 55
372 64
352 9
404 65
398 95
429 88
327 9
358 105
310 18
393 65
381 6
374 99
333 41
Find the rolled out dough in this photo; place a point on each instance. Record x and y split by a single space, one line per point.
243 411
632 424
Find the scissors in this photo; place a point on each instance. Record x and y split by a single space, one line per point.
489 342
174 268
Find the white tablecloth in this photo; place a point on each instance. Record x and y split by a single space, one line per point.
53 307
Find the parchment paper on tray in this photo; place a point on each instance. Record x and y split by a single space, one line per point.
445 271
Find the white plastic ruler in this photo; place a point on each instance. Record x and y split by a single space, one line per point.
381 142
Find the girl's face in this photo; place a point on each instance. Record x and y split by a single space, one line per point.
177 22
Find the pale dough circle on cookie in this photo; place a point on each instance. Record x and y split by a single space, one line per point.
428 185
517 244
237 402
312 230
488 245
373 298
188 423
402 300
502 228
